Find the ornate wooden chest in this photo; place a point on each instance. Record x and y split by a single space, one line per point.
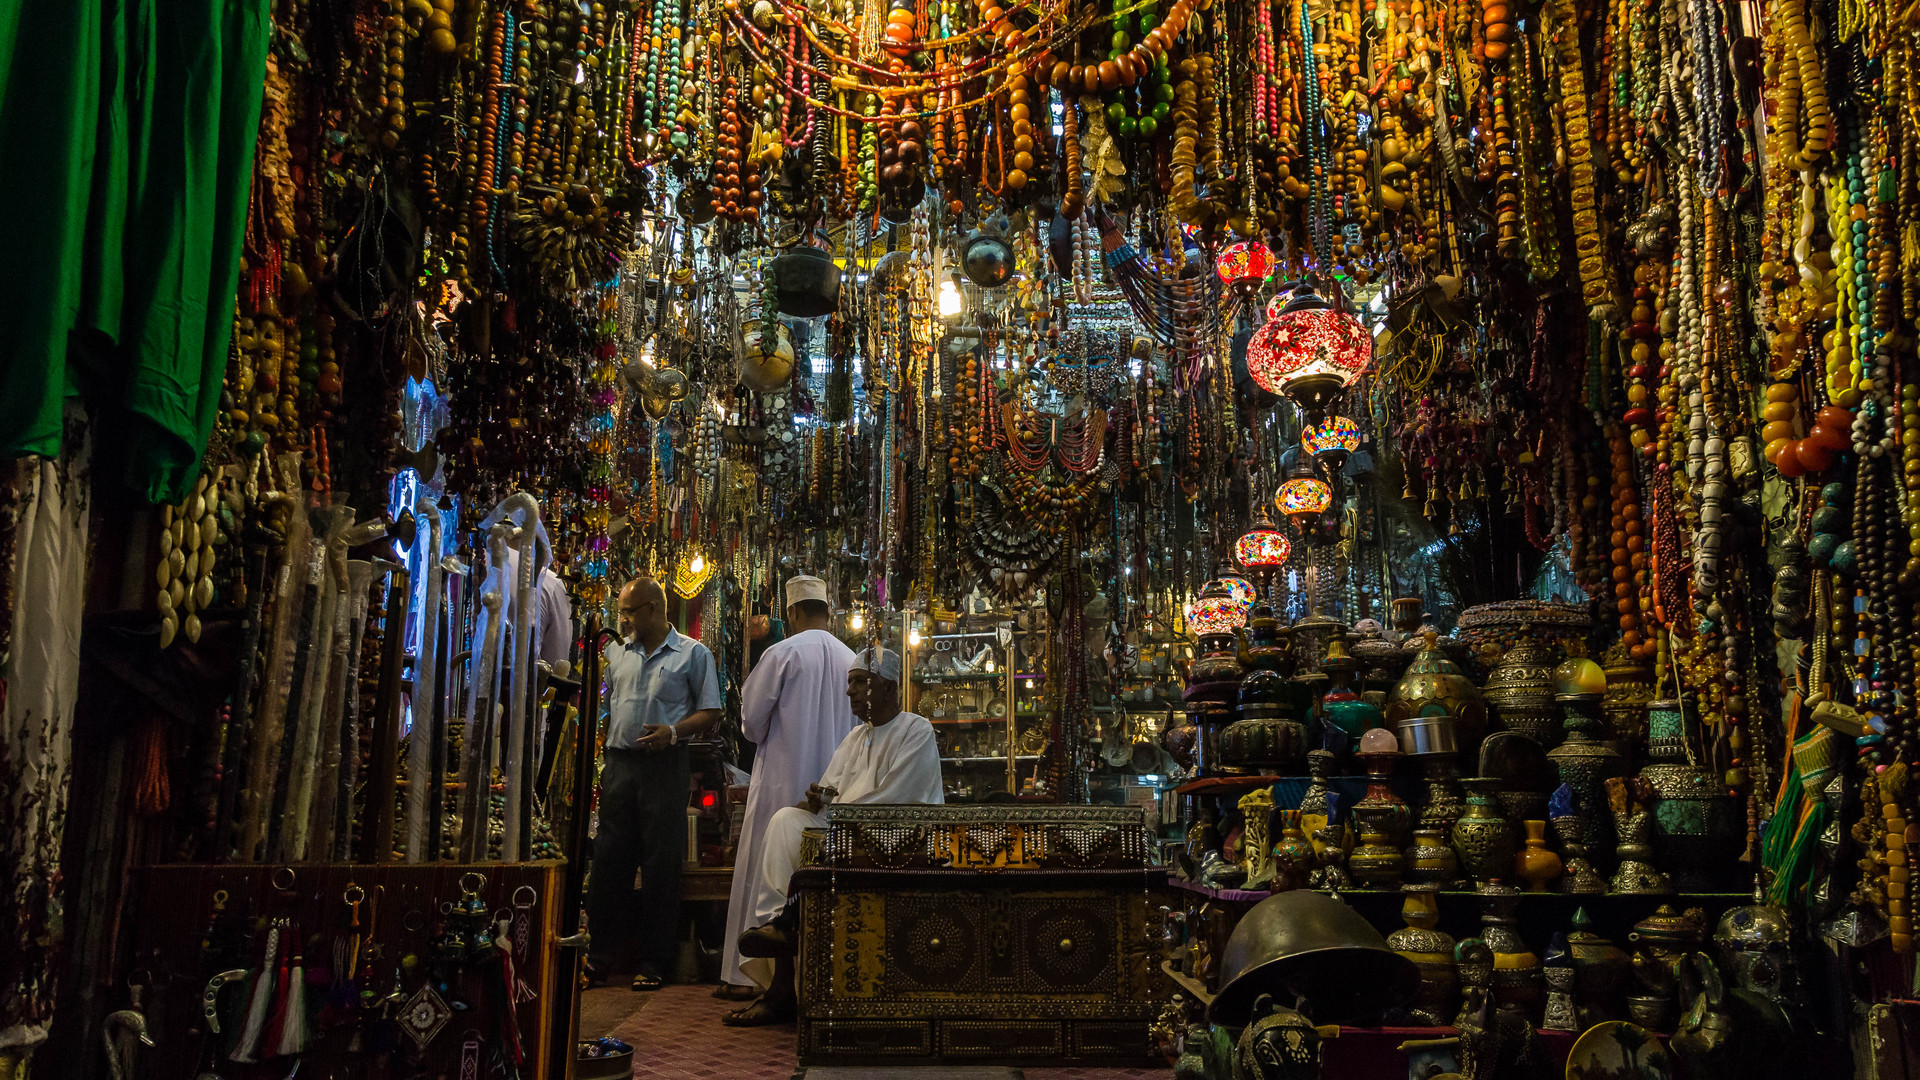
1016 935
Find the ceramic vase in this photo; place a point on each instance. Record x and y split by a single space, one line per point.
1516 968
1375 861
1431 950
1535 863
1294 846
1430 861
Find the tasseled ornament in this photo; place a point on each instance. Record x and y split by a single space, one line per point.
293 1033
246 1049
1800 816
511 993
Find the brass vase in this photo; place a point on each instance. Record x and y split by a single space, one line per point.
1629 801
1441 803
1313 804
1485 841
1382 817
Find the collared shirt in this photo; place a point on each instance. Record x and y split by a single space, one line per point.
665 686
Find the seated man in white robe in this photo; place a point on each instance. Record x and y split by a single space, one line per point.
889 757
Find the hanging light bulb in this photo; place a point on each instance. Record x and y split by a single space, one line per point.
858 621
698 564
951 302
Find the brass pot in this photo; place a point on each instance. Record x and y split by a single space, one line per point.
1261 745
766 368
1314 946
1519 693
1435 686
1697 827
1600 968
1624 704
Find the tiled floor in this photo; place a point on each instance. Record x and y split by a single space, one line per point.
676 1034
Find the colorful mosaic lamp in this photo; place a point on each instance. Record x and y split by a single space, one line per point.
1221 608
1238 587
1245 264
1331 440
1309 350
1262 548
1304 498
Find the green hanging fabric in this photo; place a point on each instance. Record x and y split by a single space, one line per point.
130 125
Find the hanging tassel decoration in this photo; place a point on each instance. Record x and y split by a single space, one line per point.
277 1019
152 789
293 1015
246 1049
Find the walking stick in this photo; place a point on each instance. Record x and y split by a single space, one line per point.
573 940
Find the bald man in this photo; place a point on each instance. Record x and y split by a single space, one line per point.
662 689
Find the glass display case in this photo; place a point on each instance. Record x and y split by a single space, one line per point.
986 714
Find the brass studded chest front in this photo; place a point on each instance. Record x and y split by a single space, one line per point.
927 963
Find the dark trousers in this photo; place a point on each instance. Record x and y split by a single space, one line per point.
643 826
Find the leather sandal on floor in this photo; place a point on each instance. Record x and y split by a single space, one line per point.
648 982
759 1014
734 992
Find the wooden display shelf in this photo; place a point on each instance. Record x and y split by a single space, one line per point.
1222 785
707 883
945 680
1574 899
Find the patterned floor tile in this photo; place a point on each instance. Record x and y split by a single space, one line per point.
676 1034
